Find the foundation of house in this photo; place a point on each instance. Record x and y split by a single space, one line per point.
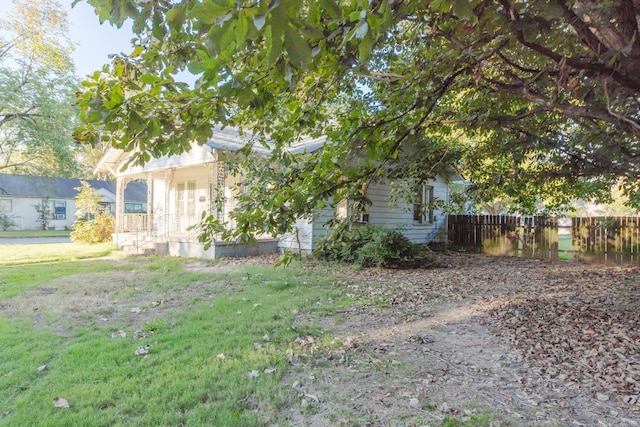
190 247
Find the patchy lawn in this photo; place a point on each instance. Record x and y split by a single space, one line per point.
483 341
51 252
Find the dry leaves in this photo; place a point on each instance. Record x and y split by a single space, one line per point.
577 326
581 333
142 350
59 402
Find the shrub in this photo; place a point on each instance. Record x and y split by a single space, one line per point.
370 246
93 224
6 222
96 230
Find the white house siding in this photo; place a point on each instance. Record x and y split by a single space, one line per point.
24 215
301 239
320 227
309 233
381 214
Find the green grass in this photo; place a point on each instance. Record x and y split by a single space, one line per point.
69 316
34 233
51 252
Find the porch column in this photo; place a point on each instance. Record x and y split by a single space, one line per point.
149 202
220 196
121 185
168 178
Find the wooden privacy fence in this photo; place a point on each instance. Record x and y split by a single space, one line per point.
608 239
503 235
600 239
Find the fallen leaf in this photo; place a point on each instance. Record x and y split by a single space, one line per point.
59 402
414 403
140 334
142 350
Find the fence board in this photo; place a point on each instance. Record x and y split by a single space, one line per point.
595 239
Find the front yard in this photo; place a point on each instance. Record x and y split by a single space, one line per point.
483 341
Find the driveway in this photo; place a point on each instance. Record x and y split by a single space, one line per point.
35 240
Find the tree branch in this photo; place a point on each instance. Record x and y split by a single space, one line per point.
565 108
630 82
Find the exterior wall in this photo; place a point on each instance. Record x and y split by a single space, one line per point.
381 214
301 239
25 216
309 233
320 228
198 156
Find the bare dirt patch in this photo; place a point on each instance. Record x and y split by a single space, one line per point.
122 298
518 342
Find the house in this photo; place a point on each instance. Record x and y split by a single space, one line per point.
29 201
182 187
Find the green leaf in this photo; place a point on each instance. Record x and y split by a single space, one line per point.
332 8
463 10
297 48
208 12
241 31
176 16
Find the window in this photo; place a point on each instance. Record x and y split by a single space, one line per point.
108 207
342 209
423 205
134 208
59 209
346 209
6 205
186 198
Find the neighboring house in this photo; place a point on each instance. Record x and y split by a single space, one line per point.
20 194
183 186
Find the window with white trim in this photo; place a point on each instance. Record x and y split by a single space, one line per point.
347 209
186 198
6 205
59 209
423 205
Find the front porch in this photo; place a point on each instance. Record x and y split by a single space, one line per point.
171 235
180 189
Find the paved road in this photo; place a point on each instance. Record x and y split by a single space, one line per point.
35 240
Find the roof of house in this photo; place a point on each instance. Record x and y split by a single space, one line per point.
63 188
223 139
230 138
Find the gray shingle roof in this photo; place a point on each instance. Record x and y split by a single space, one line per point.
63 188
230 139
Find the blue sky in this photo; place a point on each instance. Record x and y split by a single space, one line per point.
93 42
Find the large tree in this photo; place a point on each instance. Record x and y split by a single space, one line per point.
537 101
37 92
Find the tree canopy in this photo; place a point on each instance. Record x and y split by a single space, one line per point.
537 101
37 92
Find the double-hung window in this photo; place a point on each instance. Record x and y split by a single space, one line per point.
423 205
59 208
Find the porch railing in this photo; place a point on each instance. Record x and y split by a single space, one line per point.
134 222
162 225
